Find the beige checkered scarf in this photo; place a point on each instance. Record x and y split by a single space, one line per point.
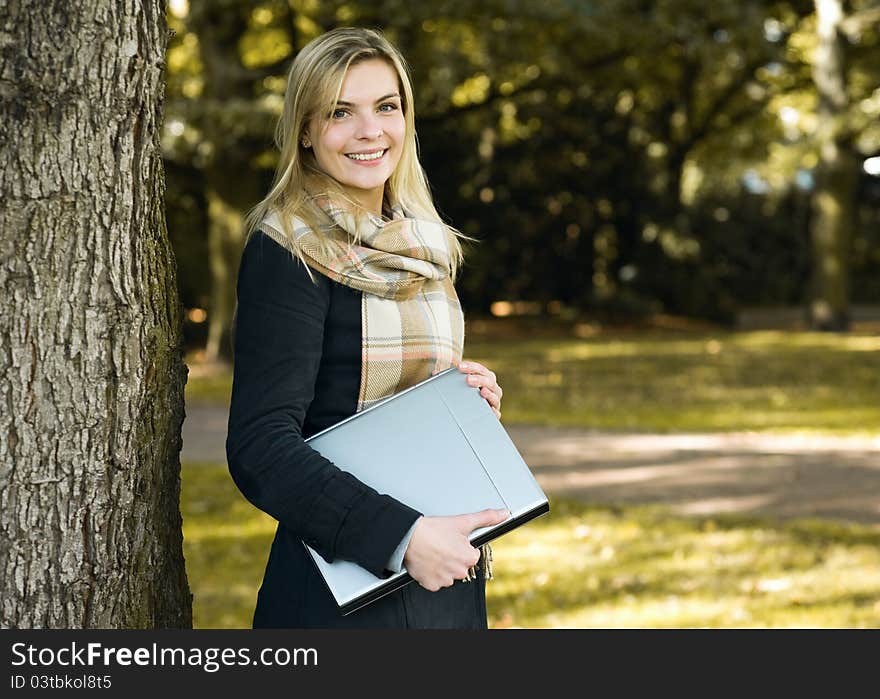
411 318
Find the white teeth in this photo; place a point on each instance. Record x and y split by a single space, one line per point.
365 156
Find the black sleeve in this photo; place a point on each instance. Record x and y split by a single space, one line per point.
278 342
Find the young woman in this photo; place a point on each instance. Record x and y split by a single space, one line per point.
345 296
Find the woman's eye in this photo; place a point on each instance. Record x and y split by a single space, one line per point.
391 107
339 113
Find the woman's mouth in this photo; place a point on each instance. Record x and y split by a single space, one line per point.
367 157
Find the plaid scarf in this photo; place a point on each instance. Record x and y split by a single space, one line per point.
412 323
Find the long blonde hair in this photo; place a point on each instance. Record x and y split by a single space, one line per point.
314 83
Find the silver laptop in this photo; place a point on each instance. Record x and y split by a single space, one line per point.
438 448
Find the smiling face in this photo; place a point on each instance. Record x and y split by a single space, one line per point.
360 144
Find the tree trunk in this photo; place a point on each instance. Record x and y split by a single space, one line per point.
225 243
92 369
833 204
232 185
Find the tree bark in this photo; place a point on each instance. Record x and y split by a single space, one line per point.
834 198
92 368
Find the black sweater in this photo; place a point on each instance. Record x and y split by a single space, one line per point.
297 371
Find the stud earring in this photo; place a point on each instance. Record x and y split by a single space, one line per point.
306 143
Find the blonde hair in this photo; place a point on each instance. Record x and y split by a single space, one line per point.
314 84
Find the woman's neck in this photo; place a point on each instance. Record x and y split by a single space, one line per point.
374 203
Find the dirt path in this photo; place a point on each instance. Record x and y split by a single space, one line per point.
697 474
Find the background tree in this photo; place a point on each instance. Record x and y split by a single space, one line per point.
835 207
613 158
92 373
224 56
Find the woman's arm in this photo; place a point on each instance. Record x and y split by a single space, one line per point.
278 344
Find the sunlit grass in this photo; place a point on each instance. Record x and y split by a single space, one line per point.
226 543
686 382
208 385
587 566
649 381
638 566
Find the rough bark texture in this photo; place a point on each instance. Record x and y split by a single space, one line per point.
834 199
91 394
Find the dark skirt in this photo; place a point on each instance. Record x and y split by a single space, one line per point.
294 596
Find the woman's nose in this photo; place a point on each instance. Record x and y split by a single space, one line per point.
369 128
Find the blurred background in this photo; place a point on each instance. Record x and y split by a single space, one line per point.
677 281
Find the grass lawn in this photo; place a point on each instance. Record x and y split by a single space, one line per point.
673 382
703 382
586 566
635 566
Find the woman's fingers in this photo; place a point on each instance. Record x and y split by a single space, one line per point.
439 552
493 398
477 369
483 378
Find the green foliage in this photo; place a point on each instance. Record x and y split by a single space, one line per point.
586 566
613 156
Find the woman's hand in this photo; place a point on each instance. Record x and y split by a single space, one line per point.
478 375
440 552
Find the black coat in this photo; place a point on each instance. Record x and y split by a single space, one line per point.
297 371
